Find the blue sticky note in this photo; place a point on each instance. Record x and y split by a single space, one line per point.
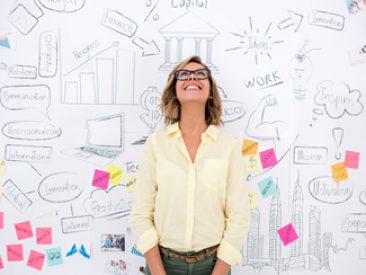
4 42
267 187
54 256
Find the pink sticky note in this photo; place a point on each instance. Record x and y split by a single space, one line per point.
14 252
352 159
101 179
44 235
1 263
268 158
24 230
1 220
36 259
287 234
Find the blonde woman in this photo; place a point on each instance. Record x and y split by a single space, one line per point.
191 207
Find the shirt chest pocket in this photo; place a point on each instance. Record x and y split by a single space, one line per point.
215 174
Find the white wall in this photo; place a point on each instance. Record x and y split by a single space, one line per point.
73 72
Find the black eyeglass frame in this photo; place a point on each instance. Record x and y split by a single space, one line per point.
192 72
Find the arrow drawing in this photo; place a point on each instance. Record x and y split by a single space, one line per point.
148 48
295 20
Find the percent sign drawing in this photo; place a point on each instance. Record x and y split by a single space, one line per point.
155 16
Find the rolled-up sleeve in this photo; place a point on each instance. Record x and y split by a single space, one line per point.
142 216
237 211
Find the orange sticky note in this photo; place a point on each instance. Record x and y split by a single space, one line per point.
249 147
339 172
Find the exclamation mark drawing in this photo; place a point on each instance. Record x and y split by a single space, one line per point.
338 137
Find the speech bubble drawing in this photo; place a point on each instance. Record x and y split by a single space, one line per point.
31 130
63 5
60 187
338 99
25 97
324 189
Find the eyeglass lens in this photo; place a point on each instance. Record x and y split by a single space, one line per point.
185 74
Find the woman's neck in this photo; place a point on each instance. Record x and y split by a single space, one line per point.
192 121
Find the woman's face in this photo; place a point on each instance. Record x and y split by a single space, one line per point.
194 89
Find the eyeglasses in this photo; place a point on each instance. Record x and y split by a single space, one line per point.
185 74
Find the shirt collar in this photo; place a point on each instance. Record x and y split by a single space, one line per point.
212 131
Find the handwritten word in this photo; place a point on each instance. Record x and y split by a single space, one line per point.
189 3
86 50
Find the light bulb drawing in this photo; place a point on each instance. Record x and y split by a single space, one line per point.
256 42
300 70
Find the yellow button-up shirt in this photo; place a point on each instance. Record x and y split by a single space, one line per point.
189 206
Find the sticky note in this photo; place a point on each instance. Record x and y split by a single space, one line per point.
130 182
1 263
23 230
2 168
267 187
351 159
252 163
14 252
36 259
287 234
116 174
268 158
1 220
100 179
135 251
54 256
44 235
339 172
253 198
249 147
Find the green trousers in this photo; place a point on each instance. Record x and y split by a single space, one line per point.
178 267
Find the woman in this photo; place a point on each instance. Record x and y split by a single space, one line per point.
191 208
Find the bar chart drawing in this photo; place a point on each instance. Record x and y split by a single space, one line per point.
106 78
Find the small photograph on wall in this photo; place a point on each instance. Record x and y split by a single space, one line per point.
112 242
116 267
356 6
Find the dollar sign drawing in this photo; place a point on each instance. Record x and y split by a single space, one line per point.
150 102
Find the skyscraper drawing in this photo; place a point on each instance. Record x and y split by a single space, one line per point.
274 225
314 239
297 219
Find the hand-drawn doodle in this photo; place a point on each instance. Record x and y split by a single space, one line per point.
282 133
326 19
310 155
354 222
26 97
300 70
104 141
95 81
338 99
48 54
362 253
294 20
255 42
22 72
30 130
62 5
149 48
32 7
261 82
116 21
187 4
150 100
232 110
156 15
28 153
60 187
191 32
337 134
22 19
15 196
111 203
362 196
76 224
325 190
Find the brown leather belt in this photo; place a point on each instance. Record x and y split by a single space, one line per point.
190 258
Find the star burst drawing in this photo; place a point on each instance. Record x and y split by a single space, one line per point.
255 42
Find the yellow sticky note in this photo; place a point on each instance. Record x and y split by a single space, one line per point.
253 198
252 163
339 172
130 182
249 147
2 168
116 174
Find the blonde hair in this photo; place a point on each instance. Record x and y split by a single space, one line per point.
170 106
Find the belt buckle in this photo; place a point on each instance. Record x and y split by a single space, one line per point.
191 259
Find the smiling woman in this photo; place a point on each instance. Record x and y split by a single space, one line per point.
191 207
